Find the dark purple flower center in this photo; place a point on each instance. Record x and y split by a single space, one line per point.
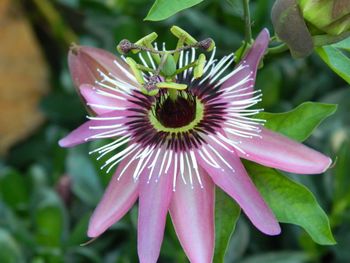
176 113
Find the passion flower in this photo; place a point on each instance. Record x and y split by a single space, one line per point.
180 142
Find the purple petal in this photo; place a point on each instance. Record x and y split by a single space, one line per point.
154 199
88 132
231 177
277 151
192 213
108 101
118 198
84 61
251 62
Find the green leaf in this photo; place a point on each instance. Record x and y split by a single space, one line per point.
341 184
269 80
342 178
50 219
78 234
10 251
278 257
85 182
292 203
226 215
162 9
344 44
336 60
300 122
14 189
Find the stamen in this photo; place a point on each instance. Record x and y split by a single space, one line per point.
121 156
212 162
98 118
220 157
128 164
138 173
240 83
232 143
162 165
230 59
195 167
100 106
181 59
107 146
175 172
182 167
169 161
189 169
151 60
125 71
153 165
242 133
238 69
144 63
108 94
99 127
220 143
186 63
109 134
104 152
211 60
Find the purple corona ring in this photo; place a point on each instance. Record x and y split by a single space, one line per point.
178 150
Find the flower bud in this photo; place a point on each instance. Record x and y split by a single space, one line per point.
332 17
291 28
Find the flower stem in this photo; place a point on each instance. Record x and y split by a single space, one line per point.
172 94
323 40
247 22
56 23
278 49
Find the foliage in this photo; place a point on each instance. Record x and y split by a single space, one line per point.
47 194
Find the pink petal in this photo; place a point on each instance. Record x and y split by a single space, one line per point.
192 213
84 61
109 101
85 132
277 151
118 198
252 60
154 199
235 182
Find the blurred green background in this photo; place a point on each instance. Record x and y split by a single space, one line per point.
47 193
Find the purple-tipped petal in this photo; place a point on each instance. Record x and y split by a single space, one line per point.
192 213
251 62
277 151
87 131
118 198
109 101
154 199
98 67
84 61
235 181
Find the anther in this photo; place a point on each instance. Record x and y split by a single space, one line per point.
125 46
150 87
206 44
